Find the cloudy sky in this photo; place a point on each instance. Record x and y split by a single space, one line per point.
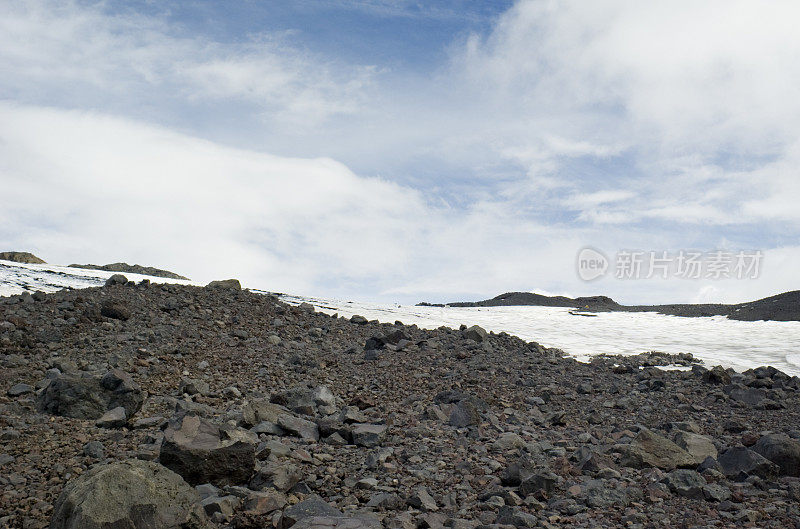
404 150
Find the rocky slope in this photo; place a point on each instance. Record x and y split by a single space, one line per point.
781 307
177 406
21 257
132 269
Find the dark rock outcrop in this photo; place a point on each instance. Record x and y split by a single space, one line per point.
202 452
21 257
86 397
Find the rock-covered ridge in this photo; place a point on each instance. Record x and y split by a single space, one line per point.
21 257
269 415
131 269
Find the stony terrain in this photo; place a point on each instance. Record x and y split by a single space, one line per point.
176 406
781 307
131 269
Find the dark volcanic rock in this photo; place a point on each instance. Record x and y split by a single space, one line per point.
90 397
739 462
202 452
132 494
314 506
115 310
781 450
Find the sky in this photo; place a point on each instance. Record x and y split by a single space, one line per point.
403 151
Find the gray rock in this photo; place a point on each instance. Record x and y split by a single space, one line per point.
717 375
260 410
265 502
19 389
194 386
716 492
360 521
649 449
116 279
386 501
477 333
131 494
422 500
781 450
698 446
94 449
313 506
686 483
116 418
600 494
229 284
279 476
225 505
115 310
300 427
299 399
90 397
464 414
739 462
202 452
541 482
368 435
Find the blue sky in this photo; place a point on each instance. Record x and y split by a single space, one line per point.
403 150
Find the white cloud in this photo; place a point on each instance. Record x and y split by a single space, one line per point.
79 55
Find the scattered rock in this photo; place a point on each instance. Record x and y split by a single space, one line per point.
740 462
90 397
202 452
116 418
781 450
135 494
368 435
19 389
649 449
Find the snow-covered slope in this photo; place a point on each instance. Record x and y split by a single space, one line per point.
714 340
16 278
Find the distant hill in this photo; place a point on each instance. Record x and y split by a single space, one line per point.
21 257
782 307
131 269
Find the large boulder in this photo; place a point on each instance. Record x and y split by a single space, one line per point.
477 334
82 397
261 410
698 446
230 284
307 400
684 482
202 452
131 494
781 450
649 449
740 462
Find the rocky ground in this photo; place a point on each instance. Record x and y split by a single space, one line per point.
175 406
